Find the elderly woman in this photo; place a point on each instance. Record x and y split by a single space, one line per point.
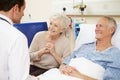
49 48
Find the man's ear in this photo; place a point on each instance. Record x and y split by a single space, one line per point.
15 11
112 29
16 8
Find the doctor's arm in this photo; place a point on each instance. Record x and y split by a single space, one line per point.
19 61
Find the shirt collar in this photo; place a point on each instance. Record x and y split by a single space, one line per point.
6 18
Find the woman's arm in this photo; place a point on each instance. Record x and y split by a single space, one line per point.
57 57
36 55
34 50
52 51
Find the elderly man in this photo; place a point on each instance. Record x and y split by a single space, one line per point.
101 52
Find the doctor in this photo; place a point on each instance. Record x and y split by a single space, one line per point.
14 57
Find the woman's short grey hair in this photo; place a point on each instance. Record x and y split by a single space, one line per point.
64 20
64 23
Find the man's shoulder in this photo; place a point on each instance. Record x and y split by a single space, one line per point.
116 49
15 33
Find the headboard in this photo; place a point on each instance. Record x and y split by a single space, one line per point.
30 29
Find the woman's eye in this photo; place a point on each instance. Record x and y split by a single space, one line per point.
50 23
56 26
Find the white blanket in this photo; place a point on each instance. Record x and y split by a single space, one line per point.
88 68
83 65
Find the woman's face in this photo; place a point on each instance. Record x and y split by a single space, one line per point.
55 28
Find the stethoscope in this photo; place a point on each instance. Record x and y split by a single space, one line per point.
5 20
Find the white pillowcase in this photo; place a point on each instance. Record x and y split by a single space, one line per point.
116 37
87 35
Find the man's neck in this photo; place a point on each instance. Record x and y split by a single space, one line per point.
7 14
103 44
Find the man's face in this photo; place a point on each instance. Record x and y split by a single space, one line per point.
103 29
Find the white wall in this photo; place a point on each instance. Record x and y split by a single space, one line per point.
37 10
94 7
41 10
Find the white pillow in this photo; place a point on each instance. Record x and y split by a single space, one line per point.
116 37
87 35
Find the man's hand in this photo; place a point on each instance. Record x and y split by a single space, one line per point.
71 71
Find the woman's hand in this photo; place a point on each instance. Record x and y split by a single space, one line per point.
75 73
46 49
65 69
50 48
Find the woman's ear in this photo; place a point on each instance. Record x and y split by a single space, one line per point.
63 30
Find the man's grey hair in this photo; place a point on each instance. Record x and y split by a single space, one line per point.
112 22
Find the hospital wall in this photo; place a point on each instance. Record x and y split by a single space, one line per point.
41 10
